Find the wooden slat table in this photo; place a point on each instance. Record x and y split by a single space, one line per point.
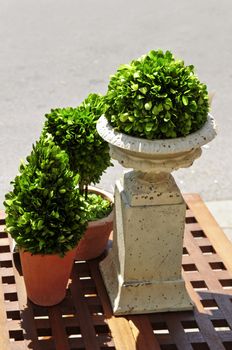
84 319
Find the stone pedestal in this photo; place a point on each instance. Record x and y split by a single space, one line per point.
142 272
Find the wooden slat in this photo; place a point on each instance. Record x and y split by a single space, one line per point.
2 216
17 345
27 317
207 329
86 325
209 225
119 326
4 335
143 333
58 329
178 335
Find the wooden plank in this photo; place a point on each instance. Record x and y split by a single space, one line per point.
210 335
58 329
119 326
27 317
4 335
2 216
17 345
86 325
177 332
218 239
143 333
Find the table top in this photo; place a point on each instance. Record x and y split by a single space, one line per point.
84 320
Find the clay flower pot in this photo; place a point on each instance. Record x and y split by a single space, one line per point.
95 239
46 276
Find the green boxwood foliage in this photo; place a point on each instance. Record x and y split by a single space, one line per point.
156 97
44 212
74 130
97 207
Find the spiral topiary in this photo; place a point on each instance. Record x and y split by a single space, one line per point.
44 212
74 130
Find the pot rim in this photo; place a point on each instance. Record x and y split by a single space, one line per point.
160 146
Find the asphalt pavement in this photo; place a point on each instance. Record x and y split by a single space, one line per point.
53 53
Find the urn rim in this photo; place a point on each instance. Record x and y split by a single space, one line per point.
161 146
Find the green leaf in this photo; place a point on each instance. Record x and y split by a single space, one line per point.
128 127
185 100
143 90
40 224
148 105
148 127
155 110
123 117
193 106
134 87
136 75
167 117
8 202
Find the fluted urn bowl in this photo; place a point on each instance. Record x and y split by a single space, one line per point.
156 156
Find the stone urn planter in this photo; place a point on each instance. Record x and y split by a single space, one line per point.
142 272
95 238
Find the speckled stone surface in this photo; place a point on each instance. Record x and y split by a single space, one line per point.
166 146
150 189
156 155
142 272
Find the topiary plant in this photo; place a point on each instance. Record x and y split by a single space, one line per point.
97 207
44 212
156 97
74 130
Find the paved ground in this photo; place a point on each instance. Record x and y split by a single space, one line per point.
53 53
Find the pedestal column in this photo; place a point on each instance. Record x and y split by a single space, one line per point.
142 272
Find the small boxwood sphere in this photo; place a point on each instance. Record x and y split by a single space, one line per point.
156 97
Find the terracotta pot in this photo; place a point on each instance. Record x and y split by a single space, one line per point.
46 276
95 239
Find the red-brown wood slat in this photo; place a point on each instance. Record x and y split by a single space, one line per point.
84 320
119 326
86 325
143 333
4 335
58 329
209 225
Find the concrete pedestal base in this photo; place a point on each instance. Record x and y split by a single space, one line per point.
142 272
139 297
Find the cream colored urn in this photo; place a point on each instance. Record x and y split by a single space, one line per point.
142 271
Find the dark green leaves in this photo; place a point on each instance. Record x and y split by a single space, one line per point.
74 130
44 212
156 89
97 207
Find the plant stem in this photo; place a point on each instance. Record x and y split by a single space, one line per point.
86 192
